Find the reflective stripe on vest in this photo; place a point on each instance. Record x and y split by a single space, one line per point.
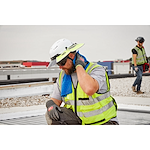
95 109
89 101
141 56
96 112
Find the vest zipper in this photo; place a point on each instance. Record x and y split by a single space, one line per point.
143 56
142 53
75 97
75 101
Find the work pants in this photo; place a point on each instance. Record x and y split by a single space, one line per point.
138 79
49 121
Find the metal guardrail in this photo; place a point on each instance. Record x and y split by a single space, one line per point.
26 89
114 76
20 81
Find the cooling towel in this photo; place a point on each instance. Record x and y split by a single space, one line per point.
67 83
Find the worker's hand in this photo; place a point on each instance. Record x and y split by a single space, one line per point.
53 111
80 61
136 68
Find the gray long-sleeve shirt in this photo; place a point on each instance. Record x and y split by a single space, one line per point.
97 73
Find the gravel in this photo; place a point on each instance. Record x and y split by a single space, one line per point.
119 87
122 87
24 101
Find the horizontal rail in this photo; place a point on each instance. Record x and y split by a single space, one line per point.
114 76
20 81
26 89
25 85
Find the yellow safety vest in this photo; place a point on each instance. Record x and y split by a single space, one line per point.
92 110
141 57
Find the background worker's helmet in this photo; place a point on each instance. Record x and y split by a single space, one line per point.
60 49
140 39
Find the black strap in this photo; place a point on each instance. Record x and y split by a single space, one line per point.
95 122
84 98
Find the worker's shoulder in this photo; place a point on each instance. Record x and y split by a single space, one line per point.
134 48
97 67
134 51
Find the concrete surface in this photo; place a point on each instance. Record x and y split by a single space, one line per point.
133 118
124 103
17 112
141 101
140 104
124 118
26 89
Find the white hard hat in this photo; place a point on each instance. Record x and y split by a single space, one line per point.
60 49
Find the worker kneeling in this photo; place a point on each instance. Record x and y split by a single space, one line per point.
62 116
83 87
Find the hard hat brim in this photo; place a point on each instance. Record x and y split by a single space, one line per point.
70 49
64 54
52 63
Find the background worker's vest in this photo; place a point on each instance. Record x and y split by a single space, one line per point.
141 56
96 109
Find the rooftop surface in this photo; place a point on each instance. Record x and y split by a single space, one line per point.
34 115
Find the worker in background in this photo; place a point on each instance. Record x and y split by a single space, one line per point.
82 86
138 60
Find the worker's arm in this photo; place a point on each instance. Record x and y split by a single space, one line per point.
53 105
56 101
134 59
88 84
53 108
56 95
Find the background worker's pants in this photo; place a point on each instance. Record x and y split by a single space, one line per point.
138 79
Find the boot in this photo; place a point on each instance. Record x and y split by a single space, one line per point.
140 92
133 89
